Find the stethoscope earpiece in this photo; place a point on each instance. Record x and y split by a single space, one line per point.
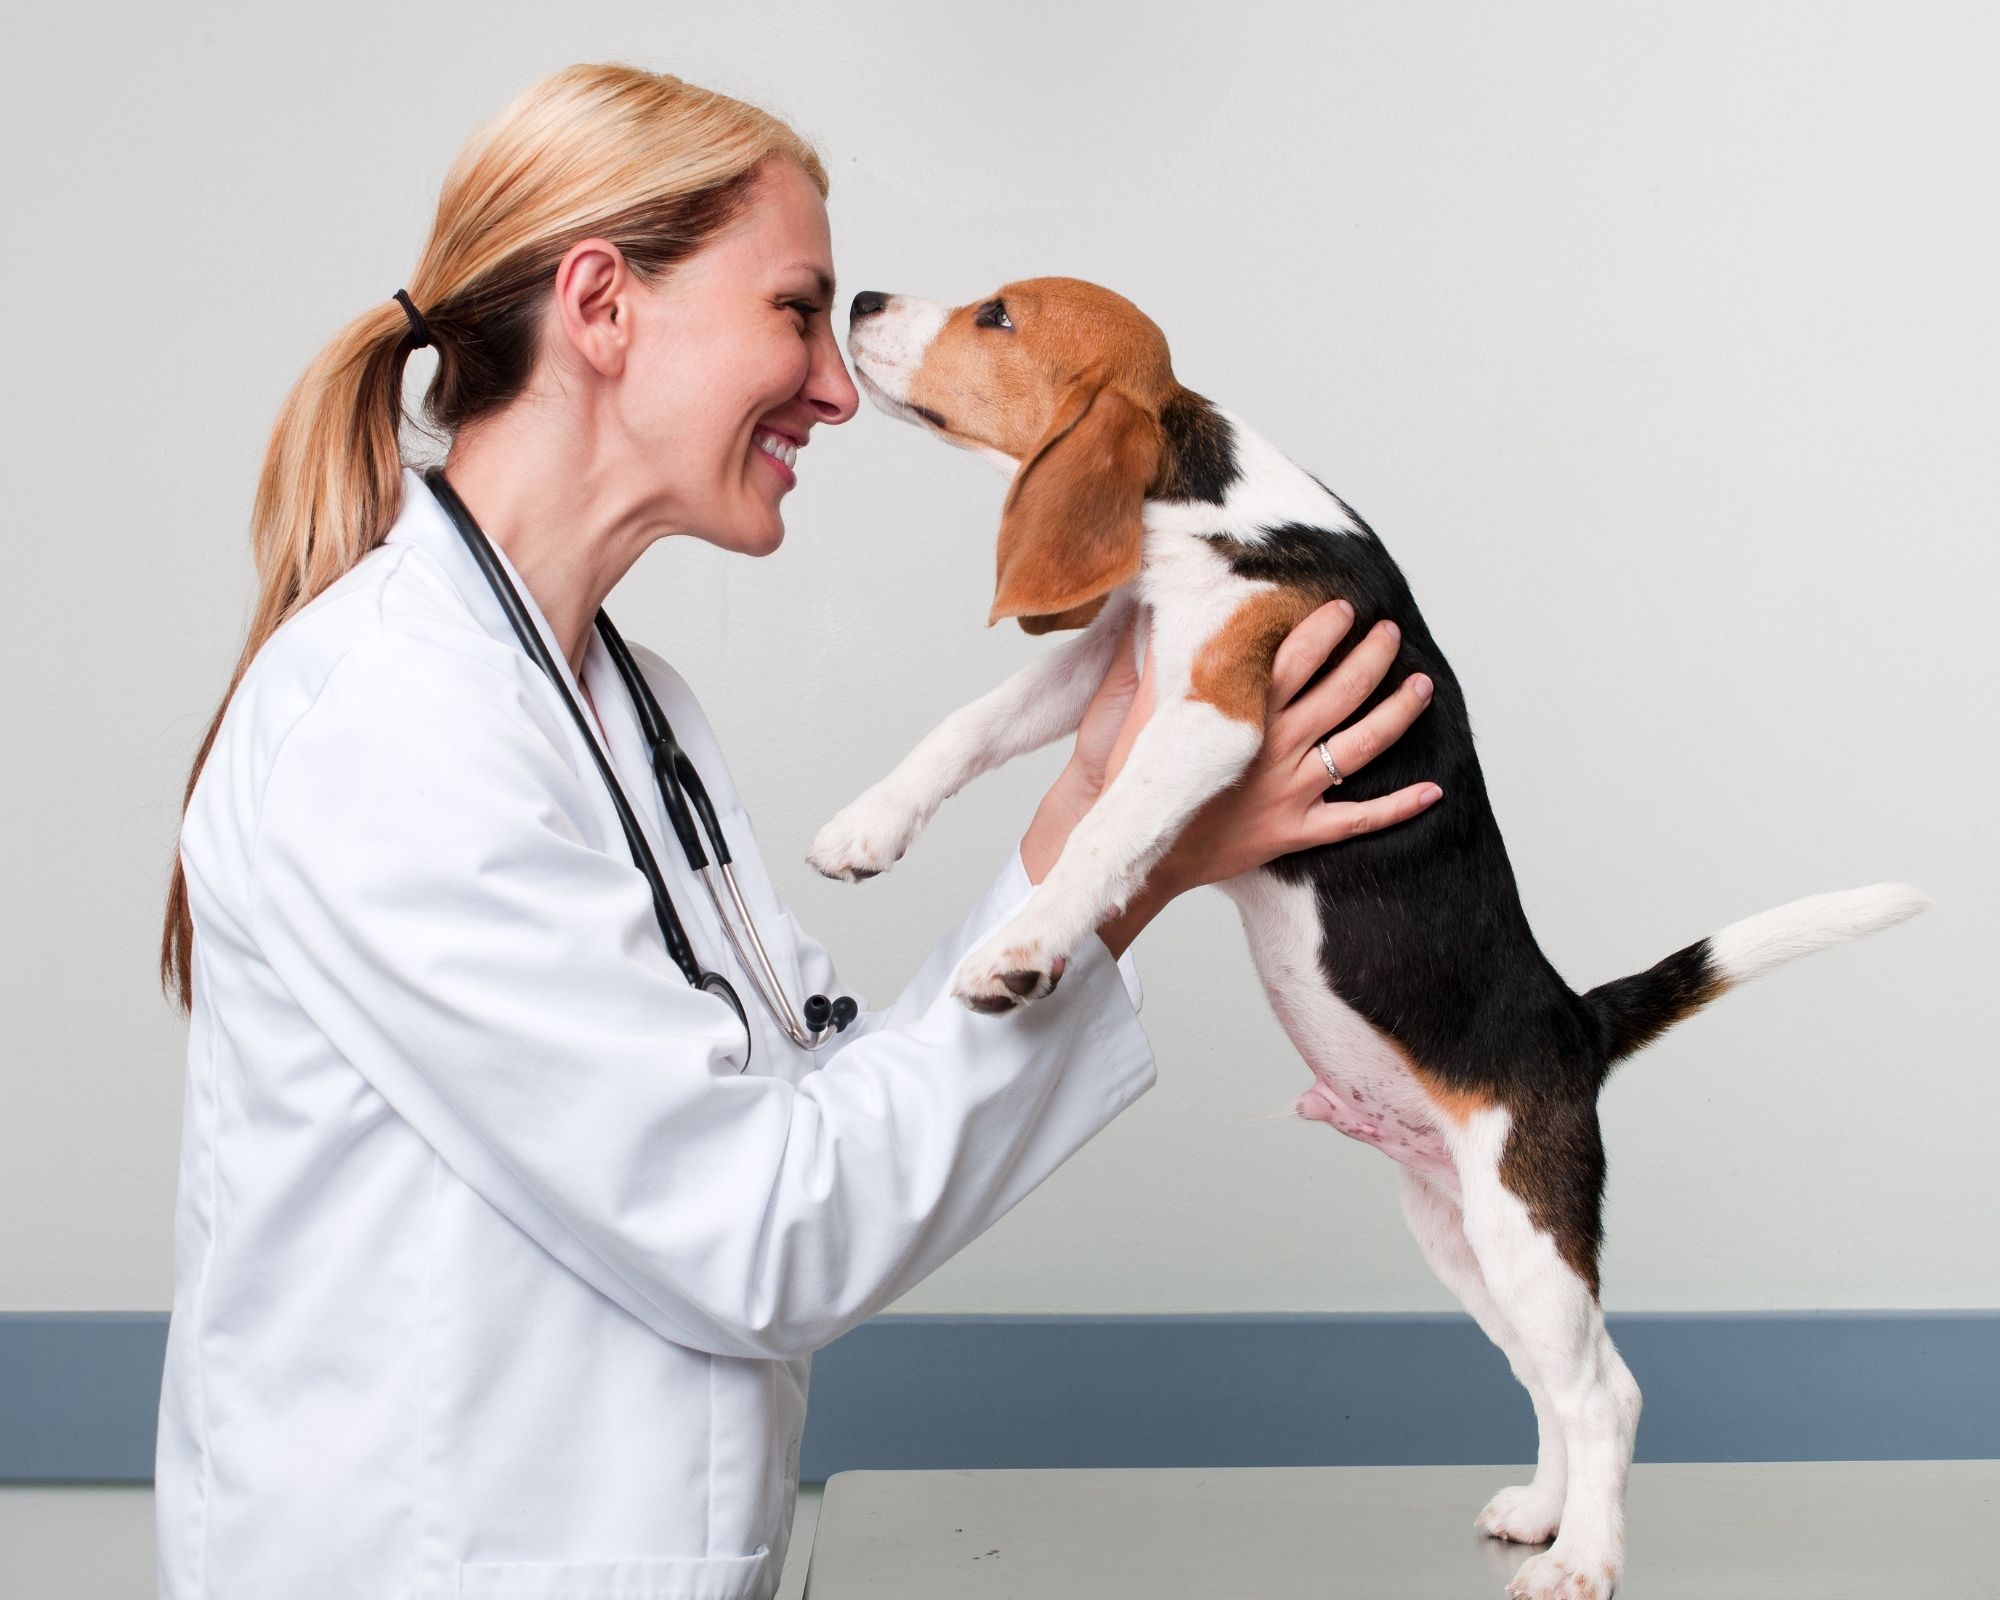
819 1011
684 797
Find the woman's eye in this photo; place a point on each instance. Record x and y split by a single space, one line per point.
805 308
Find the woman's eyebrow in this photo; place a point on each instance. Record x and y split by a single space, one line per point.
823 278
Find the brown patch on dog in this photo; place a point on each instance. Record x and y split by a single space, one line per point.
1553 1161
1457 1104
1232 670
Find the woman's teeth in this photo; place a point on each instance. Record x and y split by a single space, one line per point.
783 449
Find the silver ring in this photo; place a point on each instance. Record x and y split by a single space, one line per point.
1332 771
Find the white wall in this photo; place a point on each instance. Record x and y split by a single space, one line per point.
1659 346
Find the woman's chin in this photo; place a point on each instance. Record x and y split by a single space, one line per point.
755 534
760 542
764 526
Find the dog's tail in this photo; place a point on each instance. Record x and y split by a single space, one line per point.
1634 1011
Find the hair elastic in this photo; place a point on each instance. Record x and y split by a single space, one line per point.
420 330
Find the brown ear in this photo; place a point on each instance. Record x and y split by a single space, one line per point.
1070 531
1054 621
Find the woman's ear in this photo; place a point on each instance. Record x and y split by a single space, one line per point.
1070 532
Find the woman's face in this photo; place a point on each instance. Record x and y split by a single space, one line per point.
733 354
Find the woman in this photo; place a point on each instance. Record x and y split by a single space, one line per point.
499 1265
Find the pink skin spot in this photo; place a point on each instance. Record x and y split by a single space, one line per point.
1412 1147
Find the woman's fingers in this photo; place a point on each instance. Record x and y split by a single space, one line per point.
1305 649
1344 819
1336 697
1354 747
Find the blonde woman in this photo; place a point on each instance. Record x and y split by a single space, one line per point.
501 1246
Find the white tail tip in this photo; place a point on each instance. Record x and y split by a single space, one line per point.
1759 943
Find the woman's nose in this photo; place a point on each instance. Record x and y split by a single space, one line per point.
828 387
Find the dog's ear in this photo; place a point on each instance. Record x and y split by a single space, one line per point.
1054 621
1070 531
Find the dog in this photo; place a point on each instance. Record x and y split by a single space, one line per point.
1399 962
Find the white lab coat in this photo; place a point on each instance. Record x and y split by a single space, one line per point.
493 1277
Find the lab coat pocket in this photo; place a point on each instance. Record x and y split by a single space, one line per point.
676 1578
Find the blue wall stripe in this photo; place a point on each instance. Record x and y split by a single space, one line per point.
79 1392
79 1395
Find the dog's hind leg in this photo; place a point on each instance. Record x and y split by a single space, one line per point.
1529 1192
1044 700
1526 1513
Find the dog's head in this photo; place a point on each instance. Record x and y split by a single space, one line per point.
1061 383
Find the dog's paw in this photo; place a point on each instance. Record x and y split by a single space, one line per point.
1005 974
867 838
1526 1513
1556 1574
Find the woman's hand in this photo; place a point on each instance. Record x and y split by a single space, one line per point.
1276 806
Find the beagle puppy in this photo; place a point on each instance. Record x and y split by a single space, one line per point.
1400 962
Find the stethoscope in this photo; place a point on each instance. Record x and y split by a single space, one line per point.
680 788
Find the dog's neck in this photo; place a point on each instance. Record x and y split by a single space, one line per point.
1220 477
1196 458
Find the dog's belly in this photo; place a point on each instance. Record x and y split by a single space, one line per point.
1362 1085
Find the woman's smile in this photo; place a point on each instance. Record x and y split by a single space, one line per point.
780 450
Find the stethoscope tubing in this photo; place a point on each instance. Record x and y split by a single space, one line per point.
682 793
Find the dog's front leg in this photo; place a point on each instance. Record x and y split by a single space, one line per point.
1187 751
1043 701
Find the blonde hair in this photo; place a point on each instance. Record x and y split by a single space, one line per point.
653 164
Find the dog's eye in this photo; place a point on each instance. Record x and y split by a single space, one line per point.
993 315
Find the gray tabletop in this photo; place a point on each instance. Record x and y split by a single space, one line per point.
1818 1530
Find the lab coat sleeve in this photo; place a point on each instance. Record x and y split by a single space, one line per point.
423 886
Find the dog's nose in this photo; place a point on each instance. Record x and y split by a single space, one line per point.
866 304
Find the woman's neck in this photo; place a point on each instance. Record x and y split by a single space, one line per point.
567 520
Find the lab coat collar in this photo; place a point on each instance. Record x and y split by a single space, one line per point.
423 522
